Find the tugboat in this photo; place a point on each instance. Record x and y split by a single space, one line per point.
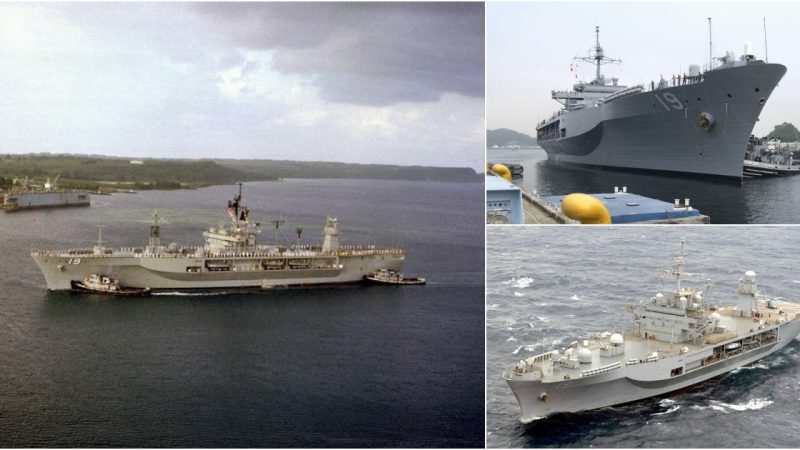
386 276
105 285
770 158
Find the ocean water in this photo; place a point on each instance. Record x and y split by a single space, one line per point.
562 283
759 201
348 367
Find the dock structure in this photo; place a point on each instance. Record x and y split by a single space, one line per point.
624 208
540 212
503 201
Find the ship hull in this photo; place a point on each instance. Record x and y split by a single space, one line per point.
612 389
39 200
647 131
172 272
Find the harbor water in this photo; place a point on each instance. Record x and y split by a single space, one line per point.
352 366
767 200
549 286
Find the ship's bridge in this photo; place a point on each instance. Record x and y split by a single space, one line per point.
586 94
221 238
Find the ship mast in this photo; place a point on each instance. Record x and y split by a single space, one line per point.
599 58
155 232
677 270
233 207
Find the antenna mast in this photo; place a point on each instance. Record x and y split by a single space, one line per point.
678 270
278 223
710 48
155 232
766 52
100 236
599 58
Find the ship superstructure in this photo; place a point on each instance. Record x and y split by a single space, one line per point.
693 123
231 257
679 339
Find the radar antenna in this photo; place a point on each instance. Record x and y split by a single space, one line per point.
598 58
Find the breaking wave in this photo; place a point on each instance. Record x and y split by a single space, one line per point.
751 405
671 410
522 283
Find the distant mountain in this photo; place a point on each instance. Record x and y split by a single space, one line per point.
786 132
505 137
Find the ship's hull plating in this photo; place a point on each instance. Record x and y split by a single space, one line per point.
171 272
614 388
659 130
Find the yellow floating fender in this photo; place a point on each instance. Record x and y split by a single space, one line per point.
502 171
585 208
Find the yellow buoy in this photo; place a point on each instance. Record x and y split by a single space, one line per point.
585 208
502 171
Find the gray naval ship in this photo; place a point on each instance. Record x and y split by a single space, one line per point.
696 123
230 258
679 339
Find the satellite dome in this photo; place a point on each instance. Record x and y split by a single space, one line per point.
698 297
715 317
584 355
750 274
659 295
616 339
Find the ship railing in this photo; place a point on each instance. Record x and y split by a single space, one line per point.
600 370
679 81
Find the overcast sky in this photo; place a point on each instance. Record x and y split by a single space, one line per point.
530 46
373 83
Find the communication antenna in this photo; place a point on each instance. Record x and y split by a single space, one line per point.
598 58
677 269
766 52
710 48
299 234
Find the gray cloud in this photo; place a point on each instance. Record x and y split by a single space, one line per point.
363 53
